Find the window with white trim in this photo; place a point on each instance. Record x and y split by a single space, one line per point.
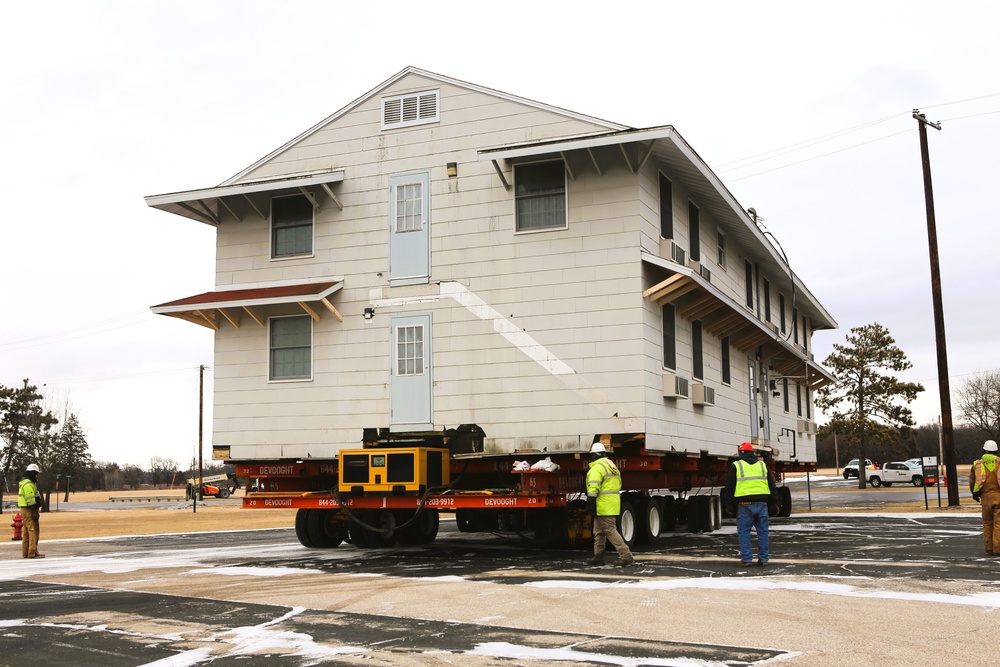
410 350
291 227
540 196
290 348
721 243
410 207
410 109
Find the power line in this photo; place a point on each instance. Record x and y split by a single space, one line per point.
808 143
81 332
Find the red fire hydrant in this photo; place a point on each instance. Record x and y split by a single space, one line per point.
17 527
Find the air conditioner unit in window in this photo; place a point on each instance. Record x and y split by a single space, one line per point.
701 394
705 273
775 328
677 253
812 428
694 264
674 386
802 426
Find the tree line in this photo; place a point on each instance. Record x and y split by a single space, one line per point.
31 432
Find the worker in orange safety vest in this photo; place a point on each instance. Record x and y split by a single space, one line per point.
986 490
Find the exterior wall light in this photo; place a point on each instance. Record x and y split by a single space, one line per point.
369 313
452 169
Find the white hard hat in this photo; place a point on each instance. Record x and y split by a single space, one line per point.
33 467
989 446
598 448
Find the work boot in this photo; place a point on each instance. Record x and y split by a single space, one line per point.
595 560
37 556
625 562
762 563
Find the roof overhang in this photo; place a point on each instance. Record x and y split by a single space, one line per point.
207 205
211 309
696 298
634 148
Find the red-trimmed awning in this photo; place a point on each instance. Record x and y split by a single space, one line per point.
210 308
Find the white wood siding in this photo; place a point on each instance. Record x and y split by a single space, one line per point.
577 292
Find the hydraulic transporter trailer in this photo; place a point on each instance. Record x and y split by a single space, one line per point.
393 490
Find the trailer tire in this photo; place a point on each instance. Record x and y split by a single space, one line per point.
325 528
784 501
707 514
423 530
627 523
356 532
669 513
301 527
385 536
650 521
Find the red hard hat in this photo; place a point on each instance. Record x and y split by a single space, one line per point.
745 447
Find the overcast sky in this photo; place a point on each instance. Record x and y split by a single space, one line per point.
803 109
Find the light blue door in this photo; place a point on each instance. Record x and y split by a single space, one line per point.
409 229
410 382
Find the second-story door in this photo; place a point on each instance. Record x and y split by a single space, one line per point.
409 229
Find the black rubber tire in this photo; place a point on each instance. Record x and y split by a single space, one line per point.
917 480
875 482
326 528
357 534
650 520
223 493
627 524
385 536
668 514
423 530
301 529
693 510
707 515
785 501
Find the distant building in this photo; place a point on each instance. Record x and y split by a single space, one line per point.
438 253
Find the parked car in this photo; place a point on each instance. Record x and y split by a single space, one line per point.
903 472
851 469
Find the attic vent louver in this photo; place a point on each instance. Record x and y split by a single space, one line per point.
410 109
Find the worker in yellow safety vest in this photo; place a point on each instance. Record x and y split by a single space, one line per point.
986 490
29 503
750 484
604 484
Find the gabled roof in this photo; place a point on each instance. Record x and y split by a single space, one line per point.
427 75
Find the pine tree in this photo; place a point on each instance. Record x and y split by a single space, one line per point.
867 403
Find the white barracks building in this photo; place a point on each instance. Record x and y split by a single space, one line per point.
438 254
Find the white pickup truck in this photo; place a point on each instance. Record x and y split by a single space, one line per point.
903 472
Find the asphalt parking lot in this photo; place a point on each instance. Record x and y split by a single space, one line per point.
258 597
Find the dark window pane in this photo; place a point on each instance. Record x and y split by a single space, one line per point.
291 226
540 194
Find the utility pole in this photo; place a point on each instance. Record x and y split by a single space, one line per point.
201 409
944 387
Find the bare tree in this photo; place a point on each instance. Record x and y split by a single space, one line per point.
979 403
